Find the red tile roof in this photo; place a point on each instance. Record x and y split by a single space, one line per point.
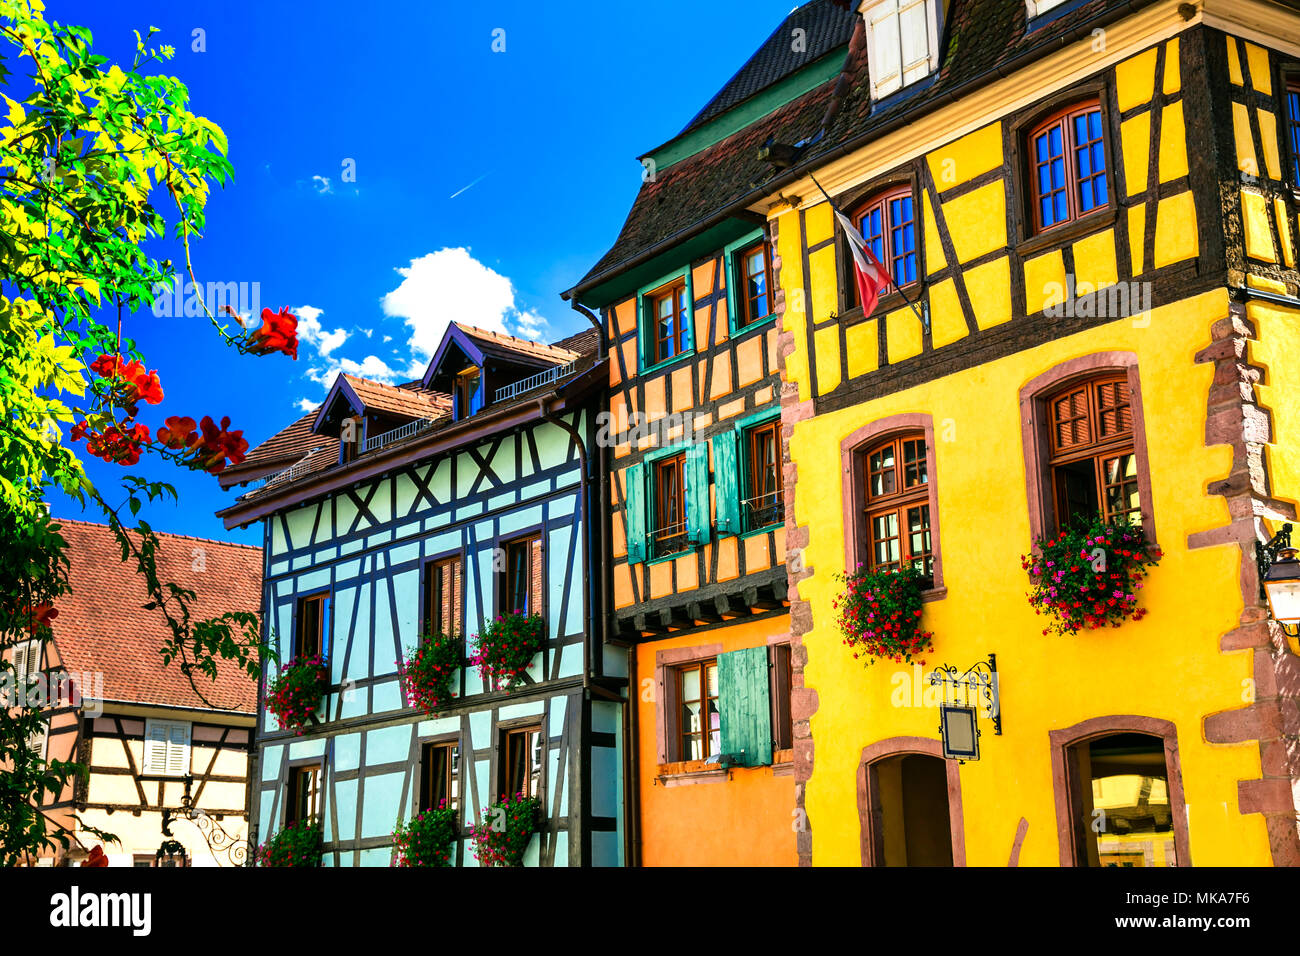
102 626
408 401
508 346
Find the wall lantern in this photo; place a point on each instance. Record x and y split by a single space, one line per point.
959 718
1279 580
171 853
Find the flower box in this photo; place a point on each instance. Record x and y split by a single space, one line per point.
429 672
1088 578
294 697
506 647
429 839
295 844
508 825
879 614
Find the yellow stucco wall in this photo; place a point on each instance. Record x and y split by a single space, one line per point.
1167 666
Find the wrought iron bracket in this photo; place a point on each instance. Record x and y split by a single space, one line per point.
981 677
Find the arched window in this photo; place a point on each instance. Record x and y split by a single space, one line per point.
1085 445
887 221
897 505
891 501
1093 462
1067 165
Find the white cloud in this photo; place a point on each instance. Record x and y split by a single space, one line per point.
451 284
308 405
435 289
371 367
322 185
311 332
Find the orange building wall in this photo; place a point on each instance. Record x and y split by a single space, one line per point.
747 819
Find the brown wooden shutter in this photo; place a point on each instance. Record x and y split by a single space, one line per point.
1113 409
535 581
1070 419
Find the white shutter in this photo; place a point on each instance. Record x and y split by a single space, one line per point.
27 659
178 749
884 54
915 33
166 747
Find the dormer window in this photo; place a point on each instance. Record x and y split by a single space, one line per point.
902 42
1039 7
469 392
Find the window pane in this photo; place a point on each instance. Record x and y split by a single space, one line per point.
914 464
1076 492
690 684
883 481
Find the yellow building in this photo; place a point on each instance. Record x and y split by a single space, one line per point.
1091 207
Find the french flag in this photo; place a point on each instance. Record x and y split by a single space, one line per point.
872 277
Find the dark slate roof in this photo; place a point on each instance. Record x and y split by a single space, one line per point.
827 24
979 36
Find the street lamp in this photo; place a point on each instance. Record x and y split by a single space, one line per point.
1280 580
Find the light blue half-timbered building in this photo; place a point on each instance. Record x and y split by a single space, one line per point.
438 503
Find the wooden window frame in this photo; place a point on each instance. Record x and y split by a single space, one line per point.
532 726
853 456
1097 450
881 201
667 708
431 573
326 628
657 540
1063 117
677 746
535 573
859 200
781 692
452 776
294 772
897 504
1061 741
648 353
675 290
745 317
1289 84
1035 436
748 436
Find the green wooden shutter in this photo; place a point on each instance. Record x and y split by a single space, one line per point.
634 513
744 706
726 480
698 526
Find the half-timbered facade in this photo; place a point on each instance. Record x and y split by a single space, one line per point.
437 505
152 745
1091 208
696 484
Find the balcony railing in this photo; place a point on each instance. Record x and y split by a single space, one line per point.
535 381
289 474
763 510
669 540
397 434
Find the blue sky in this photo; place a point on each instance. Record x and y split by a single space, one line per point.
493 180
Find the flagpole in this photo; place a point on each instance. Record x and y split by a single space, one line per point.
925 321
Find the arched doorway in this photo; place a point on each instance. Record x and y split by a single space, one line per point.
1119 794
909 803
